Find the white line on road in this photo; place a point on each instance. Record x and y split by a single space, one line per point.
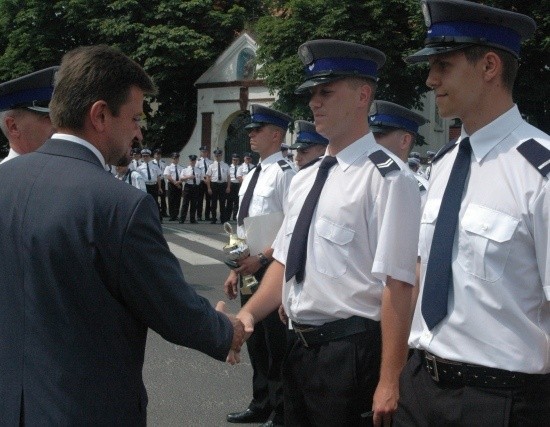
191 257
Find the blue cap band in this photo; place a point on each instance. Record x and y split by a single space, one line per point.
358 66
262 118
493 34
25 97
393 121
311 137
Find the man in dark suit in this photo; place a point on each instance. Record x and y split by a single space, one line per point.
85 268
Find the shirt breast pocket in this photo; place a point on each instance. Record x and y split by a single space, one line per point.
332 245
485 241
262 194
427 227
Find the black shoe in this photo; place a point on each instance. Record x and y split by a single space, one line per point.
173 219
193 221
199 218
182 221
271 423
213 221
247 416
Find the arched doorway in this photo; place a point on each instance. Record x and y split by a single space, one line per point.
237 140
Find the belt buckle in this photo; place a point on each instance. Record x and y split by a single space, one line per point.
431 365
300 334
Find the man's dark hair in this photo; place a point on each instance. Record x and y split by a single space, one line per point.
91 73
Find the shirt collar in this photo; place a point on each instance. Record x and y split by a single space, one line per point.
357 149
489 136
274 158
80 141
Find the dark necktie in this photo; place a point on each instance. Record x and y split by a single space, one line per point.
235 171
439 272
219 172
249 167
297 250
194 177
245 203
177 174
148 172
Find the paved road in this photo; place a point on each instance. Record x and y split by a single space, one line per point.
185 387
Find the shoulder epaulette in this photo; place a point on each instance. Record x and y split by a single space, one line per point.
311 162
284 165
444 150
420 186
384 162
536 154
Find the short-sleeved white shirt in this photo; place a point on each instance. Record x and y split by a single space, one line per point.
245 168
212 172
365 227
271 191
498 310
153 170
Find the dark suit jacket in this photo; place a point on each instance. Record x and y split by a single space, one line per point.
84 271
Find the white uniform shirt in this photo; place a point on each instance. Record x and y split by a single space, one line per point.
234 173
134 164
271 191
365 228
212 172
188 171
133 178
202 164
170 170
162 166
499 310
423 185
153 170
245 168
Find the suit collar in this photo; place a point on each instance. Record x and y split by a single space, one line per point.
62 147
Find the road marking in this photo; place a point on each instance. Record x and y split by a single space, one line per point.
199 238
191 257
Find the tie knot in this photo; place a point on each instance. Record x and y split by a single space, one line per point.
465 144
259 167
328 162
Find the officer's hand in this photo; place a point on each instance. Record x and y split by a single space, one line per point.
227 190
248 265
384 403
282 314
230 285
210 191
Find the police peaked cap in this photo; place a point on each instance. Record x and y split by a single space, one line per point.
306 135
456 24
385 116
32 91
328 60
260 115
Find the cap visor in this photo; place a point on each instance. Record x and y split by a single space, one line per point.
297 145
423 54
305 86
44 110
254 125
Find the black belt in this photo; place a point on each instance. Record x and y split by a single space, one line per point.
314 335
466 374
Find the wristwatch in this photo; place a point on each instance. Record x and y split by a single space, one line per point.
263 259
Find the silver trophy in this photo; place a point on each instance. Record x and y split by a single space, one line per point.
238 249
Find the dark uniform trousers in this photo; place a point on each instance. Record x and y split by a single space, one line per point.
332 383
233 201
219 196
425 402
203 195
190 197
162 198
153 190
174 200
266 348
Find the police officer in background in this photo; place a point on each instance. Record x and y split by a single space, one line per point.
157 160
246 166
345 255
24 112
152 176
264 191
192 176
203 163
136 159
236 178
309 145
481 327
396 128
124 173
173 173
219 186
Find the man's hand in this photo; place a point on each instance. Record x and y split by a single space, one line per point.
230 285
228 190
210 191
241 332
248 265
282 314
384 403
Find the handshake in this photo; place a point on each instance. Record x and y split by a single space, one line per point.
243 326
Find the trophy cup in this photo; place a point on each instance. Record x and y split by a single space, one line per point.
238 249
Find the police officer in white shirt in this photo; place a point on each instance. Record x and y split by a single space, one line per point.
219 186
235 177
124 173
264 191
310 146
481 328
136 159
203 162
173 173
152 176
157 160
396 128
345 254
246 166
192 176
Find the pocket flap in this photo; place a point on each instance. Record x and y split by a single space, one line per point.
431 209
263 191
333 232
493 225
